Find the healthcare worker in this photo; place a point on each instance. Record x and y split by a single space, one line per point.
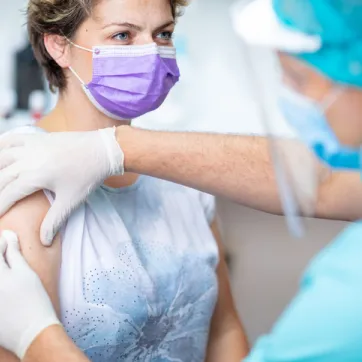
321 57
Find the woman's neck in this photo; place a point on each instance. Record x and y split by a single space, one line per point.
74 112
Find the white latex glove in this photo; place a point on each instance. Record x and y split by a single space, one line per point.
70 164
25 307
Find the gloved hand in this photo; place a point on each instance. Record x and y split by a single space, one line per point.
25 307
70 164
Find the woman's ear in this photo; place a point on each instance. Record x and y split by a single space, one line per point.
58 48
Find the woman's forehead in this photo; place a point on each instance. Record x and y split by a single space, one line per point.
132 11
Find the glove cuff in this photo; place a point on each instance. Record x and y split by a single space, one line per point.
31 333
113 150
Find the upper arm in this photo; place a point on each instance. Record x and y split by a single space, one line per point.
25 219
340 197
225 314
227 336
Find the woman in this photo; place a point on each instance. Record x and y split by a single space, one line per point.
139 273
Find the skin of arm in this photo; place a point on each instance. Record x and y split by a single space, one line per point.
227 340
53 345
25 219
236 167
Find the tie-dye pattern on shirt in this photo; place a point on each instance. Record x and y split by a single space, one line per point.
148 287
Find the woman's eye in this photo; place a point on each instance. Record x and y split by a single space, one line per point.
165 35
121 36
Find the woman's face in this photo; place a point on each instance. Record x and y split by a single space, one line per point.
121 22
344 115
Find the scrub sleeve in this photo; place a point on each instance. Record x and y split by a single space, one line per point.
324 321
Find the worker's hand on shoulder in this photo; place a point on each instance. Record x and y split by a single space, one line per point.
25 307
69 164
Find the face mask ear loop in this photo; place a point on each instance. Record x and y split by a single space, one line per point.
78 46
70 68
77 76
332 98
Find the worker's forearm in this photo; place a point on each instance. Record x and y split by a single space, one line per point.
236 167
53 345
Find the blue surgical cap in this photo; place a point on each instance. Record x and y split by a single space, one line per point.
338 23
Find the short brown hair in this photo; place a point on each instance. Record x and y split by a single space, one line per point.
63 17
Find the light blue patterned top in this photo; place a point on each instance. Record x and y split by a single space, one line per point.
138 277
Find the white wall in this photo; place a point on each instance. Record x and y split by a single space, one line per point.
12 37
219 96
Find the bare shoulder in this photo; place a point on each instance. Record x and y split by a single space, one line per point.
25 219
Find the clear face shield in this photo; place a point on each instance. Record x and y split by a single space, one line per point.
290 130
299 172
303 147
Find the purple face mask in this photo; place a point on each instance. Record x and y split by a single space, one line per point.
129 81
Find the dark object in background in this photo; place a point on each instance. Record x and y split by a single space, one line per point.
28 76
229 261
8 115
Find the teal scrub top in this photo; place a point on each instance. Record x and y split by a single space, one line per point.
324 321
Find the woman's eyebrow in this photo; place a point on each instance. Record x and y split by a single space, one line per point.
165 25
137 27
127 25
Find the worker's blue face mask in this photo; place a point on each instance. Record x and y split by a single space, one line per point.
308 118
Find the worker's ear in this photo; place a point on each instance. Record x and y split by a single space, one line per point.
58 48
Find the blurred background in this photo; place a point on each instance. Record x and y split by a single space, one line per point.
217 94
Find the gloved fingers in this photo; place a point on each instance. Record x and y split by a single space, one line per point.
3 246
7 177
13 254
13 192
13 140
53 221
58 214
7 201
9 156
